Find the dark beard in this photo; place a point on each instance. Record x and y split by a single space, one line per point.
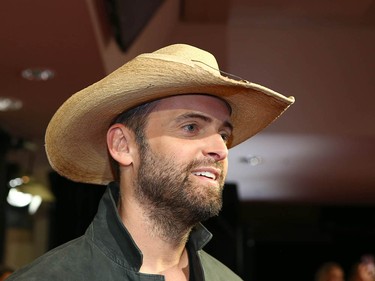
171 200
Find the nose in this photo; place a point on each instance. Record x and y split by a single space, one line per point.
215 147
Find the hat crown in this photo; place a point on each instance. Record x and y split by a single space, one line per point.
200 57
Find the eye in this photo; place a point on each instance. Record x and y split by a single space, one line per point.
225 137
190 127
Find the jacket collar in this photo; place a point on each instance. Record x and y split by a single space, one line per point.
111 236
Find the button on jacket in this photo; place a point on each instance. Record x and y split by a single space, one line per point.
107 252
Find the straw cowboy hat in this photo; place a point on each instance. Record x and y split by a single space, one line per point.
75 139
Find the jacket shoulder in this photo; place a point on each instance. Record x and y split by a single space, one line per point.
53 265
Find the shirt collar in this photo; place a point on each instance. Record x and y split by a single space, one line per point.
112 237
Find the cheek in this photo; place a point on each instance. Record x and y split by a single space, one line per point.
173 148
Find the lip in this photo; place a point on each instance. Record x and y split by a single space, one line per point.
214 171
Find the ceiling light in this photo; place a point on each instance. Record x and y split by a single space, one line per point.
7 104
38 74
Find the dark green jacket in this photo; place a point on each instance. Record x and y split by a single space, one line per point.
107 252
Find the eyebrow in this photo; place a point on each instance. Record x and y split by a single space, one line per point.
205 118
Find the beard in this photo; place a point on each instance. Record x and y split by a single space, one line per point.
172 200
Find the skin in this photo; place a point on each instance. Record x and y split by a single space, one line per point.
174 180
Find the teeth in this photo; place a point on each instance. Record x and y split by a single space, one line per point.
205 174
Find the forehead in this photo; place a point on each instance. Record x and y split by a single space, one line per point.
195 102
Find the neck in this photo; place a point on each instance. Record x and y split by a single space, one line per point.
163 252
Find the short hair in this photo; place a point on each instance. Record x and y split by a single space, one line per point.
325 269
135 119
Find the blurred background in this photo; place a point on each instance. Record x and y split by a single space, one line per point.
300 193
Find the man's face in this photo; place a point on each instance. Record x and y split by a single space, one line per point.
183 161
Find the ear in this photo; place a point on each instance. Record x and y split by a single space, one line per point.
120 142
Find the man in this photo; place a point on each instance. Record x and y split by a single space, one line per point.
158 131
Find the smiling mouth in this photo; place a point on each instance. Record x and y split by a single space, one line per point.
206 174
